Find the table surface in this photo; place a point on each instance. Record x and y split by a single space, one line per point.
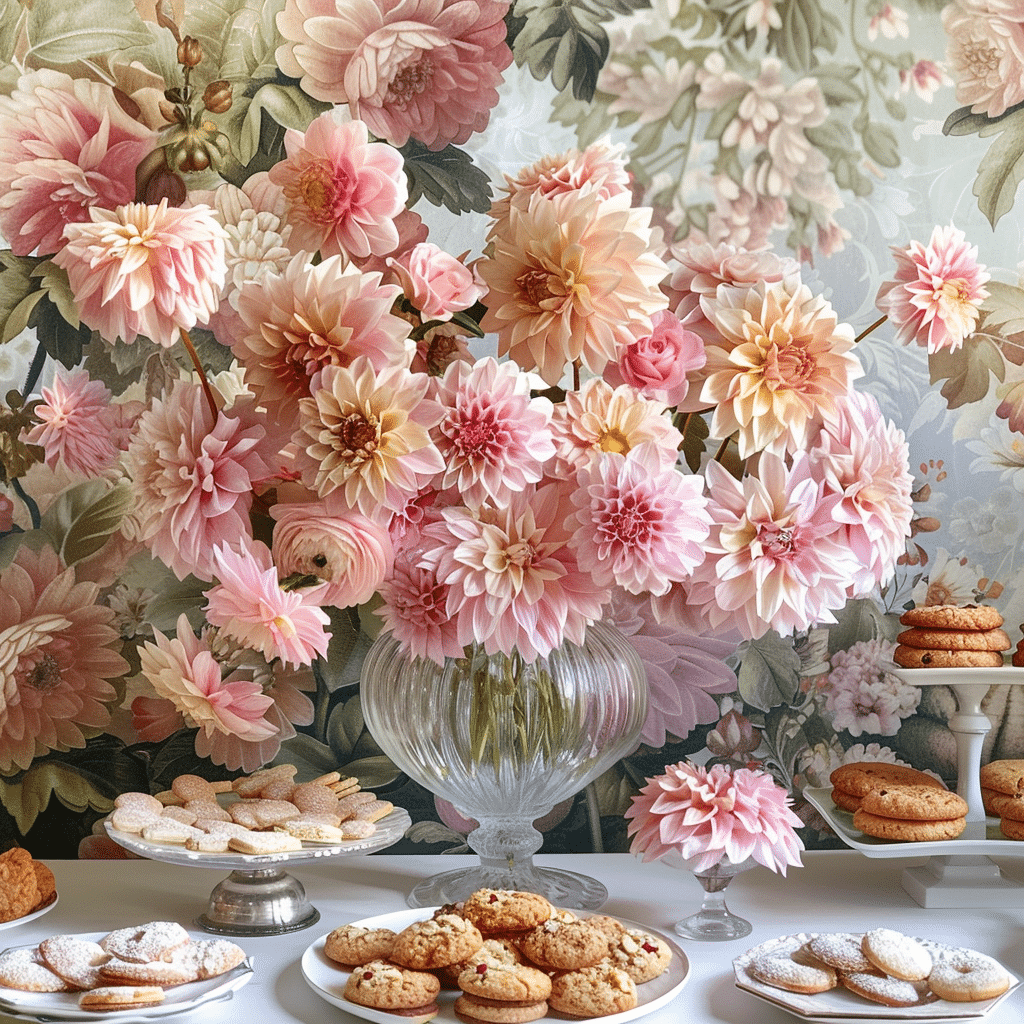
834 891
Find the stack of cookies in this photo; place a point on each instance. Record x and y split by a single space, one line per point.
511 956
1002 791
26 885
951 636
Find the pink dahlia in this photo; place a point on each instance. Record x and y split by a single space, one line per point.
75 424
343 191
249 605
707 814
436 283
366 435
935 298
422 69
864 458
193 477
184 671
639 523
777 360
576 277
150 270
494 438
350 553
415 612
775 558
514 584
66 147
58 654
306 318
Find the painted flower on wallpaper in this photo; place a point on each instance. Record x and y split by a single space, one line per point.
934 300
437 284
149 270
58 656
950 579
999 449
422 69
890 22
306 318
985 51
343 191
66 147
575 277
415 611
925 78
863 696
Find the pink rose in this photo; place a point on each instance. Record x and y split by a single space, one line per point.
434 282
658 364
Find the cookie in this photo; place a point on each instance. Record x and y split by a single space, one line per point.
210 958
23 969
157 940
252 785
193 787
120 997
19 890
860 777
840 950
1011 829
124 972
1017 658
262 814
471 1009
313 798
641 955
387 986
517 983
353 945
77 961
45 883
880 988
167 830
313 831
564 945
845 801
966 977
264 843
132 819
794 970
374 810
593 991
357 829
914 803
138 801
913 657
437 942
502 910
907 831
949 616
896 954
988 798
955 639
1004 776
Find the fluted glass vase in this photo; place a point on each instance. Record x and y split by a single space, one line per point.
504 740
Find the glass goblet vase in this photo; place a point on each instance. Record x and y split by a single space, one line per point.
715 922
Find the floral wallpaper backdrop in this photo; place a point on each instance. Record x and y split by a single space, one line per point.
856 165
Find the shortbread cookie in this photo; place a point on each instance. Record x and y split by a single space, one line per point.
913 657
124 972
914 803
168 830
503 910
313 831
120 997
897 955
593 991
77 961
794 970
180 812
860 777
949 616
157 940
252 785
966 977
373 811
278 789
264 842
357 828
23 969
564 945
313 798
907 831
132 819
193 787
841 950
641 955
138 801
205 810
880 988
386 986
262 814
1004 776
955 639
210 958
209 842
353 945
437 942
349 804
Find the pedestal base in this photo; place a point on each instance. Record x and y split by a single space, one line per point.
258 902
957 882
562 888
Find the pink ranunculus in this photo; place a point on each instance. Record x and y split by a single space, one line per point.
66 147
706 814
349 552
436 283
422 69
151 270
934 301
343 191
658 365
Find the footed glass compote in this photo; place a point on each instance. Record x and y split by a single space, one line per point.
715 922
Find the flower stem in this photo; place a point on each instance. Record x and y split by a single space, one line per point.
863 334
207 390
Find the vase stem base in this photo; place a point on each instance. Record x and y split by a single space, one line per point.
563 888
713 926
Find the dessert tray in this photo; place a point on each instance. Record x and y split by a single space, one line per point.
259 897
50 1007
327 978
840 1006
4 925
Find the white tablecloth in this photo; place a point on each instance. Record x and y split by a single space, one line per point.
833 891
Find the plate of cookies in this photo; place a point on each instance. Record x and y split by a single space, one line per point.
142 971
27 888
499 955
866 976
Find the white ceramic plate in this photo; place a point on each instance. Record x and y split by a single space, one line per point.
63 1006
29 917
327 979
839 1005
1007 675
390 829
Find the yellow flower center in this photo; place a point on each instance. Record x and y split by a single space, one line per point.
613 440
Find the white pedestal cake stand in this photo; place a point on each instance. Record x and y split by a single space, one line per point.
959 872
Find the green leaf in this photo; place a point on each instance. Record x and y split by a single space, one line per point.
26 799
881 145
858 620
837 83
63 33
695 434
447 178
309 755
769 673
963 122
249 40
801 29
288 105
19 292
61 340
346 727
58 290
10 27
966 371
999 173
83 518
1004 307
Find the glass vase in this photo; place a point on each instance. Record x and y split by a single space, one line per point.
715 922
504 740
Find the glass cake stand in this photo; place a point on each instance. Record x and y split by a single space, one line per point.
259 897
958 872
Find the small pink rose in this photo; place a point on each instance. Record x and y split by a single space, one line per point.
658 364
436 283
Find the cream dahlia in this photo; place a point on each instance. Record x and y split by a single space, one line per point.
58 654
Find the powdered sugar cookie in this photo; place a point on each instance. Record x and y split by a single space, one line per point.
841 950
23 969
897 954
157 940
880 988
77 961
966 977
120 997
